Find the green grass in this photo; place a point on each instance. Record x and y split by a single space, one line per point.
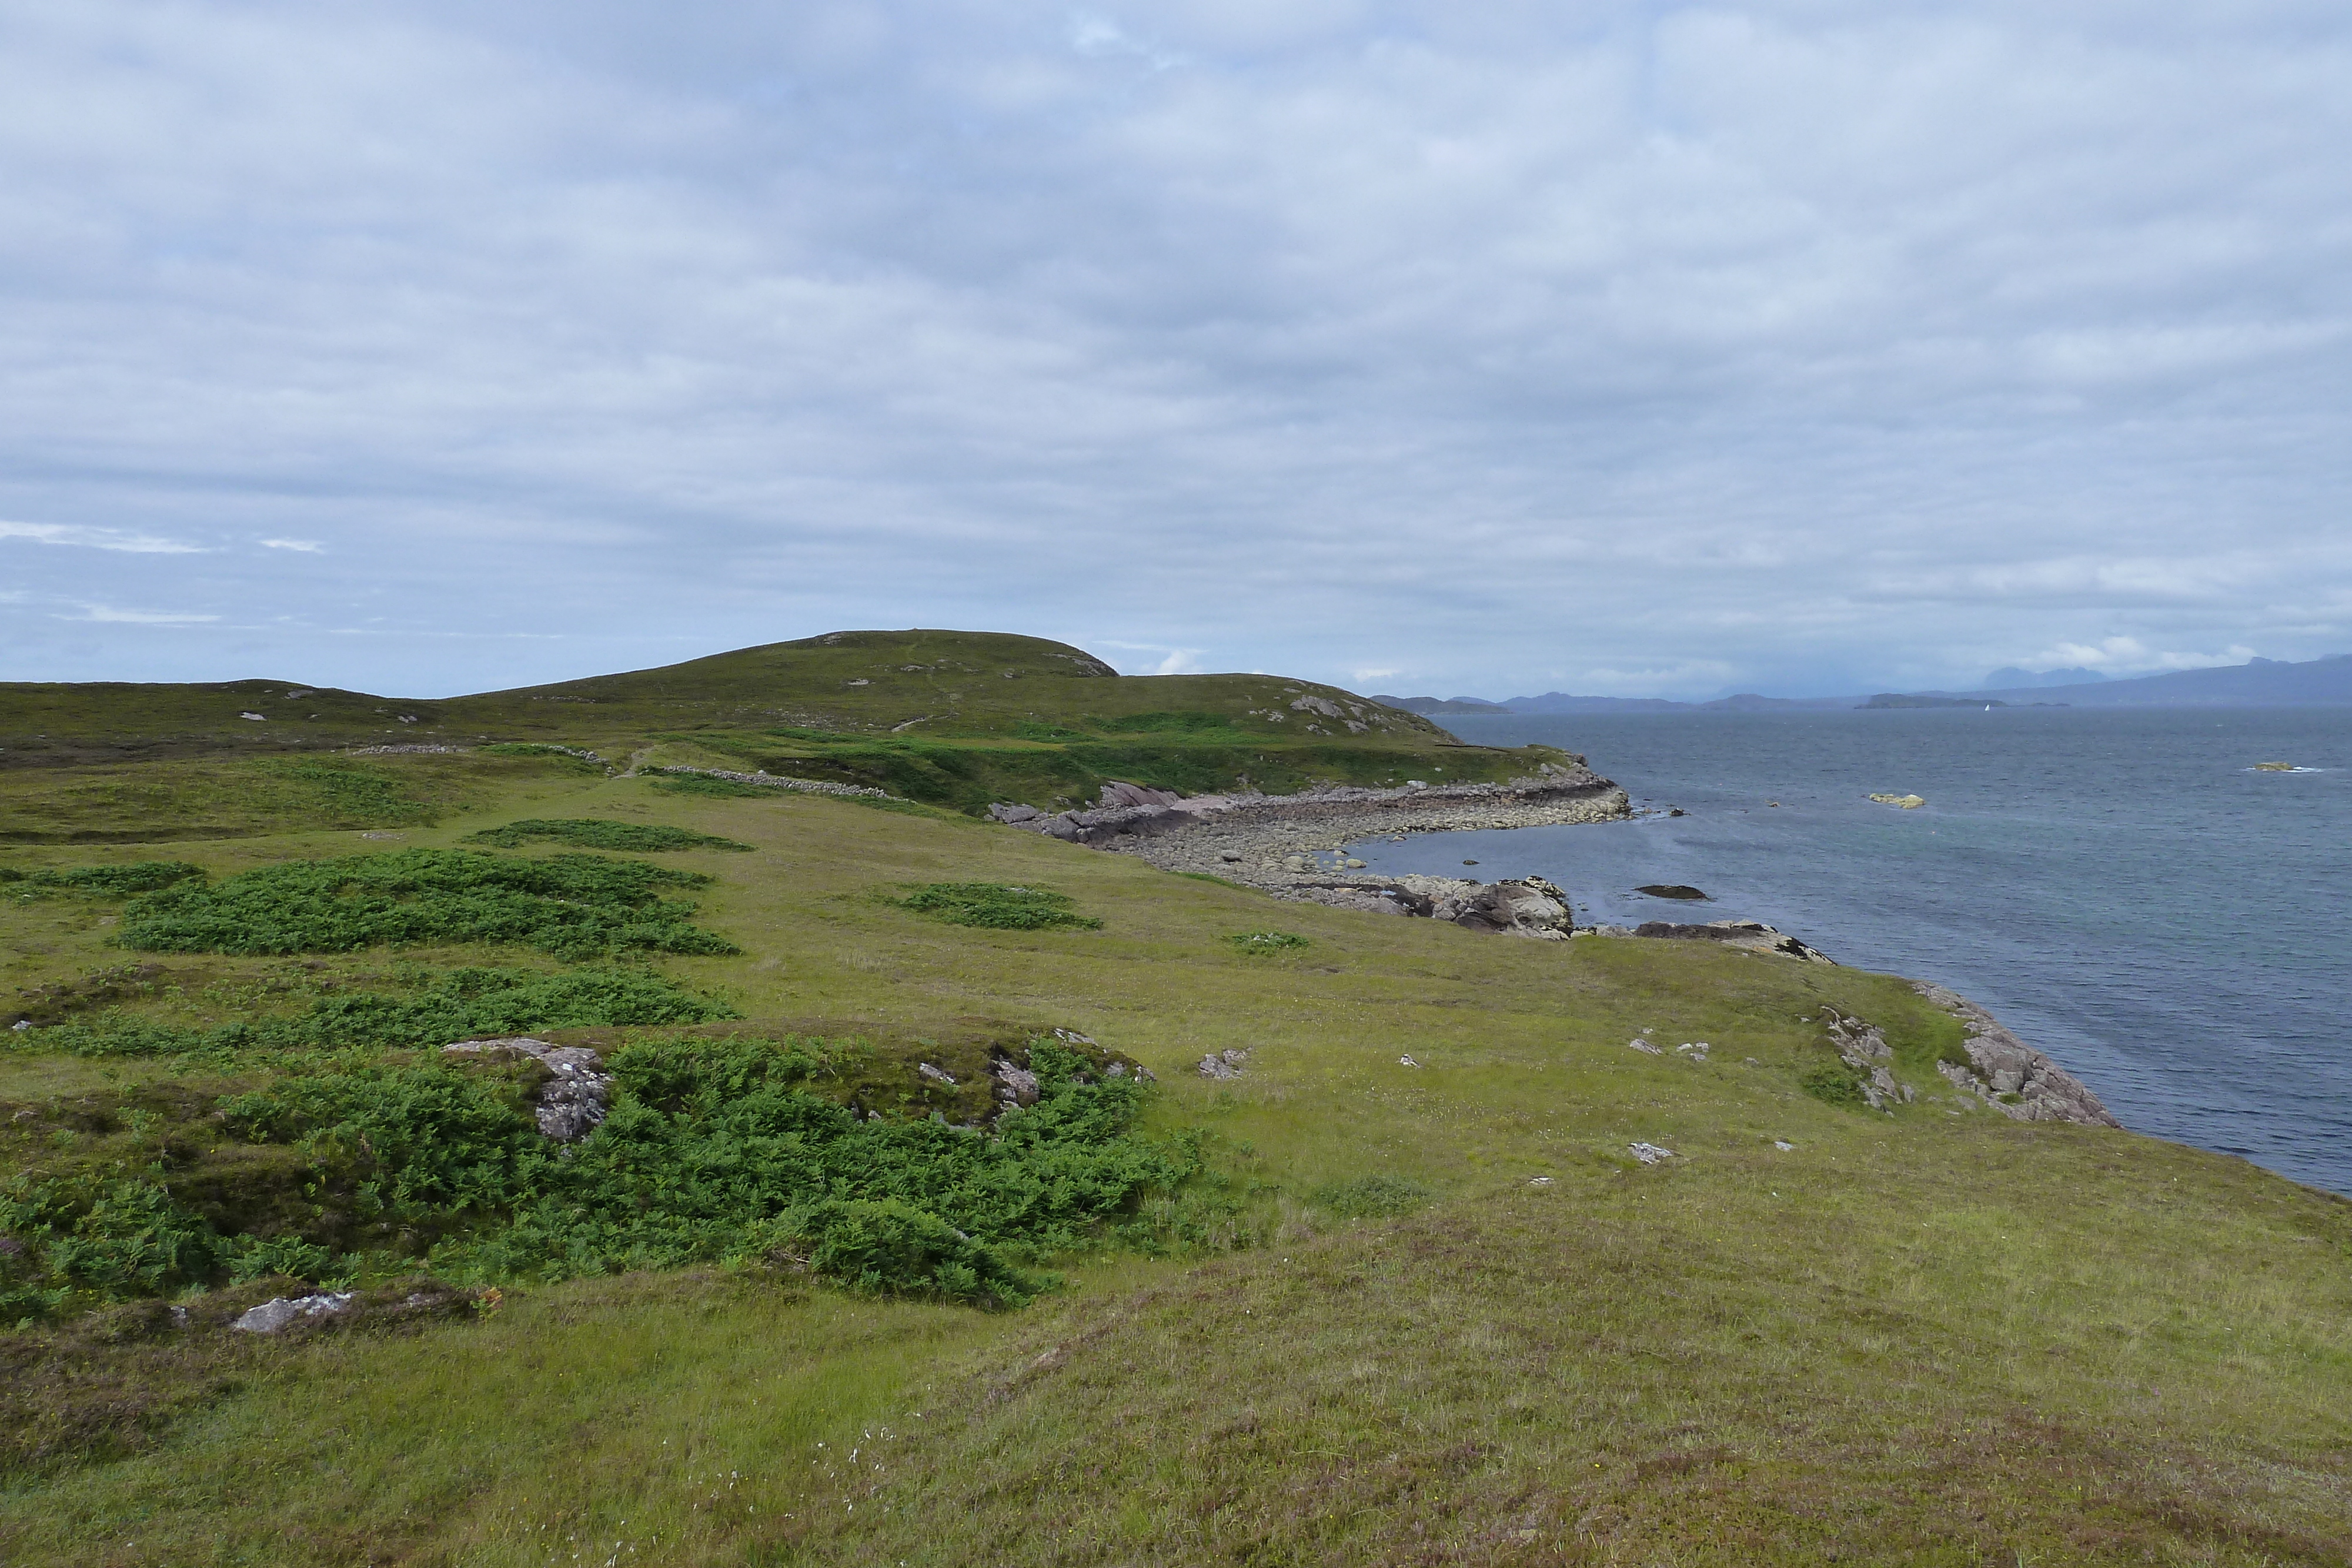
1933 1336
601 833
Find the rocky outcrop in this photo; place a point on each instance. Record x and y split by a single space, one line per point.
1863 1048
1289 845
570 1102
1223 1063
1252 833
2010 1075
1749 935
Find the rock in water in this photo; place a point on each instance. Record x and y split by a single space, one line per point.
1908 802
1670 889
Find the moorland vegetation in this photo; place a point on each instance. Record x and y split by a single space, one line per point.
887 1249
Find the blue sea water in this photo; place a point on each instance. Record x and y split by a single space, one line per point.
2121 888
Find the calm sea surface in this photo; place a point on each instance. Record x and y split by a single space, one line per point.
2121 889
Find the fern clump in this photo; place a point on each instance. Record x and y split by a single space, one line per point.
596 833
997 907
574 907
110 880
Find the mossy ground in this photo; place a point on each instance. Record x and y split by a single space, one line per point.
1925 1337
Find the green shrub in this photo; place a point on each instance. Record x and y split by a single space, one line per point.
574 907
892 1248
711 1150
1833 1083
1373 1196
436 1008
289 1256
997 907
594 834
133 1241
1263 942
110 881
536 748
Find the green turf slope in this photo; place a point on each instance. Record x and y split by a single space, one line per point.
955 719
1925 1337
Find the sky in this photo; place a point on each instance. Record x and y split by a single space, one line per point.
1617 349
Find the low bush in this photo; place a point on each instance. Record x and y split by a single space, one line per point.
997 907
596 833
110 881
1262 941
574 907
435 1009
1832 1082
712 1150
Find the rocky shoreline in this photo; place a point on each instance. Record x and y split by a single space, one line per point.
1292 846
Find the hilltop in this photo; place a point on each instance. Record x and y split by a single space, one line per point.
958 719
885 1184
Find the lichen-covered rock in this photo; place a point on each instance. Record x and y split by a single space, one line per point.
1015 1084
1223 1063
571 1103
273 1315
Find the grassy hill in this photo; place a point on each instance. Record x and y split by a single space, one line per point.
1365 1309
951 718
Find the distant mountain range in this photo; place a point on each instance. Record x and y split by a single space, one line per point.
2259 683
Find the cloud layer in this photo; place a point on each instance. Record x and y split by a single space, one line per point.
1619 347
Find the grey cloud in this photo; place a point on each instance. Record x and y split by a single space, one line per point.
1803 343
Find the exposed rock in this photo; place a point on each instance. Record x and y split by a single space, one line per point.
273 1315
1862 1047
936 1075
1908 802
1650 1153
1644 1045
1670 889
2010 1075
1015 1084
1749 935
571 1102
1223 1063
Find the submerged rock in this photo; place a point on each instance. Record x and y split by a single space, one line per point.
1670 889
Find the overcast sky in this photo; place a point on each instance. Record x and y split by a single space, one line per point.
1492 349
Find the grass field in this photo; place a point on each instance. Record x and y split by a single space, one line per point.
1928 1337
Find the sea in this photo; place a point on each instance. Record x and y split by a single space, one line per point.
2126 890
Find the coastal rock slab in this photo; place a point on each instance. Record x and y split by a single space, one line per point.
1749 935
2039 1090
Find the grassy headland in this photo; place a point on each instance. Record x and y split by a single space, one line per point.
1434 1312
951 719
